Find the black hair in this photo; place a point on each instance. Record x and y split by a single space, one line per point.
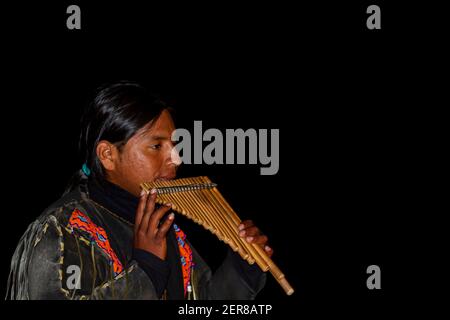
117 111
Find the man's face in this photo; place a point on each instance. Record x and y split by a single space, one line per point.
147 156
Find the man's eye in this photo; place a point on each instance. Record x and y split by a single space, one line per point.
156 146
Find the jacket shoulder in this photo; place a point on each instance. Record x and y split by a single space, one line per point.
63 208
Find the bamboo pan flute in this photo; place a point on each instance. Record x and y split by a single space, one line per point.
199 199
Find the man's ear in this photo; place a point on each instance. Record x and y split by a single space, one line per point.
108 154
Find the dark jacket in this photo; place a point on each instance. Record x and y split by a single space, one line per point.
54 249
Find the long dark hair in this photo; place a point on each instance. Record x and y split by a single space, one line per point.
117 111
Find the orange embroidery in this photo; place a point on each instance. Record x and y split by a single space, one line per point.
185 255
81 221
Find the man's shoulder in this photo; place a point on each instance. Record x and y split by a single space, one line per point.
63 208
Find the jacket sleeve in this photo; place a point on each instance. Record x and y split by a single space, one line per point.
53 265
235 279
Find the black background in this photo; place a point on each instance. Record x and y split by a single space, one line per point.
334 89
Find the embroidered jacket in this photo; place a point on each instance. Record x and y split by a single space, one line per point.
78 250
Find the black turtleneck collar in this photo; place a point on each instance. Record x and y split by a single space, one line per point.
113 198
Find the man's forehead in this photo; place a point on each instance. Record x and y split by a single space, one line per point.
157 133
162 128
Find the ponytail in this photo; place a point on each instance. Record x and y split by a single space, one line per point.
80 177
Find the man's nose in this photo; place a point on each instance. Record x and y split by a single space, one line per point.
175 158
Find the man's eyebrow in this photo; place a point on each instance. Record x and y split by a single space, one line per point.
154 137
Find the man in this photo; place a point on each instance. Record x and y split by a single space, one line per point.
105 239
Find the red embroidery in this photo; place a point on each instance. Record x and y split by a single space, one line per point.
186 256
81 221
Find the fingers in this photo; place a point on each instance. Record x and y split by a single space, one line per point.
156 217
140 209
149 208
262 239
245 224
164 228
258 239
252 234
248 229
269 250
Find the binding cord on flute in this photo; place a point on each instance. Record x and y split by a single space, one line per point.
199 200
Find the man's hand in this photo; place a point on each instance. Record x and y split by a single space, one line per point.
149 235
252 234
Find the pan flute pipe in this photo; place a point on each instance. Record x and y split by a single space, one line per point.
199 200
